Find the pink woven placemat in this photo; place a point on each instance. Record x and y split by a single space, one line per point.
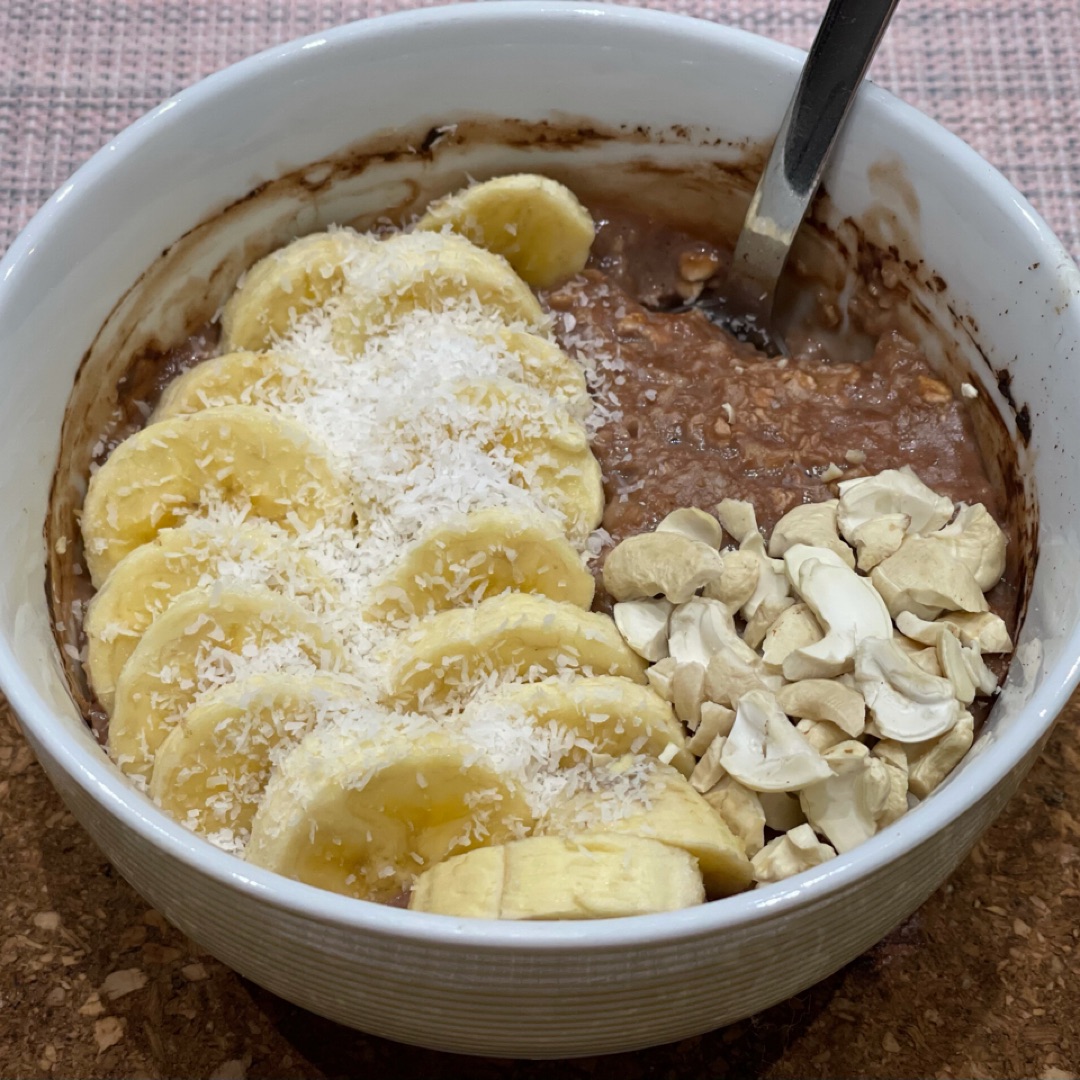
1003 75
983 981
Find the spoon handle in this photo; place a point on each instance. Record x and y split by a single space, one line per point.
843 48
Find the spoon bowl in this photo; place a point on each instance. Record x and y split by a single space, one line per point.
839 58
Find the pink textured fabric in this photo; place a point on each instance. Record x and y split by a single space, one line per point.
1005 76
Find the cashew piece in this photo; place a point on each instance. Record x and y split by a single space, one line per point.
825 699
911 644
782 810
924 578
875 540
738 518
765 752
772 584
976 540
668 564
795 628
688 692
741 810
813 524
954 666
847 805
644 626
660 675
906 703
728 677
790 854
716 720
929 763
696 524
847 606
709 771
822 735
894 491
701 628
982 628
772 607
739 580
894 755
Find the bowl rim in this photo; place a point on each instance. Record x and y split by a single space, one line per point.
97 776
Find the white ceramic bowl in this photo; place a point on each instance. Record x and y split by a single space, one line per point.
517 989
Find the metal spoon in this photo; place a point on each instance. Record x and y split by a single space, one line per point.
843 48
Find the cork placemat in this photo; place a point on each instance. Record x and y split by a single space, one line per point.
984 981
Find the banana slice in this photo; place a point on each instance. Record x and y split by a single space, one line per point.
549 450
515 635
211 770
432 271
206 629
146 581
633 797
584 876
265 378
547 368
613 714
288 282
362 816
464 341
480 555
237 378
238 455
536 224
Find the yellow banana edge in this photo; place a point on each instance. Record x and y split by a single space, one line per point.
584 876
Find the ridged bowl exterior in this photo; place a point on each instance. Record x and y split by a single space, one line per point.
537 990
508 1001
